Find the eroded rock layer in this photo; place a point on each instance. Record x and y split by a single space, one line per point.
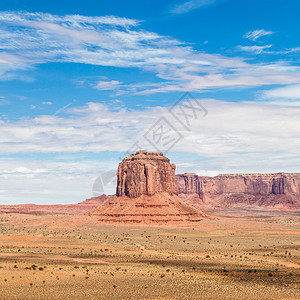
281 190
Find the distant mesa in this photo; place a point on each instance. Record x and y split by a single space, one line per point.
55 209
147 193
280 190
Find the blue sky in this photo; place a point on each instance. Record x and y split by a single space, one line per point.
82 82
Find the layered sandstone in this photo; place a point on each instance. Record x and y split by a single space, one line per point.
281 190
161 208
147 193
145 173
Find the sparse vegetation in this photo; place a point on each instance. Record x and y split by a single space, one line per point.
172 268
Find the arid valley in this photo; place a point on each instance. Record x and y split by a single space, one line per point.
73 257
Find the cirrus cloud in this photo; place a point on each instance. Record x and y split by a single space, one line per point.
190 5
286 95
31 39
108 85
256 34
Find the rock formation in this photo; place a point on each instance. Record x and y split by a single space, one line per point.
279 190
146 193
145 173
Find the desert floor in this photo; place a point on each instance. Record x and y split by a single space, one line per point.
256 256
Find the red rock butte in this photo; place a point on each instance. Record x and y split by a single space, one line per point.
147 193
146 173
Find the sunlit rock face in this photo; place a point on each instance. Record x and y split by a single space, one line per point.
146 173
280 190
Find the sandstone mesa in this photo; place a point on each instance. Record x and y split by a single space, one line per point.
281 190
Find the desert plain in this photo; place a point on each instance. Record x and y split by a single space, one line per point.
239 254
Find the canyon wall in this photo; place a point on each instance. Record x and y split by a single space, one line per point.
280 190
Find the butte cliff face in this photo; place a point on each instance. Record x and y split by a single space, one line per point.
147 193
146 173
279 190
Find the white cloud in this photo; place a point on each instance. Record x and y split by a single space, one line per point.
94 128
11 62
256 34
76 21
47 103
290 92
108 85
243 75
4 101
30 39
190 5
255 49
292 50
50 182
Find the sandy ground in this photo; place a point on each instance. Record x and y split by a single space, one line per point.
73 257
